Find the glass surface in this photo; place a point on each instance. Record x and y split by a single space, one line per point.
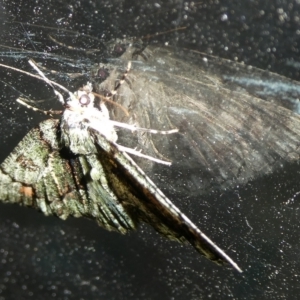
254 220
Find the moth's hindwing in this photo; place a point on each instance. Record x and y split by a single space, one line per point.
227 135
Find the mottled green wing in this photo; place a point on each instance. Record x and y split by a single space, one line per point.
41 174
106 186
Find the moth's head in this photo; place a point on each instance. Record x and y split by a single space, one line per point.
83 97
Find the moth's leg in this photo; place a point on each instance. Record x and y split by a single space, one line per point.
142 51
46 112
121 81
136 128
134 49
108 96
140 154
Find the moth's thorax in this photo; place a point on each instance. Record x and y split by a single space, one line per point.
80 123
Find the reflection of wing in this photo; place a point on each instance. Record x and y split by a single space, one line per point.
227 136
105 185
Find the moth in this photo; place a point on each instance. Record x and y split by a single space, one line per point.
231 129
74 167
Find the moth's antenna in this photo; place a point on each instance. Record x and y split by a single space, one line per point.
44 78
36 76
57 93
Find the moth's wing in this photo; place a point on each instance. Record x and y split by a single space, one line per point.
248 79
106 186
142 199
227 136
40 174
235 135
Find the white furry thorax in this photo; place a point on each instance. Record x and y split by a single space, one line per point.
78 118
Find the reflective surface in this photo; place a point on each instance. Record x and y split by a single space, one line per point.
256 221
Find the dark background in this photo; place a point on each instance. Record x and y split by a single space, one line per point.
45 258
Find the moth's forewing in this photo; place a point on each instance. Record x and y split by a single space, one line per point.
92 178
143 201
41 172
228 135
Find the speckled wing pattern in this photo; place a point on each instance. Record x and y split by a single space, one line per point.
40 174
70 169
228 135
